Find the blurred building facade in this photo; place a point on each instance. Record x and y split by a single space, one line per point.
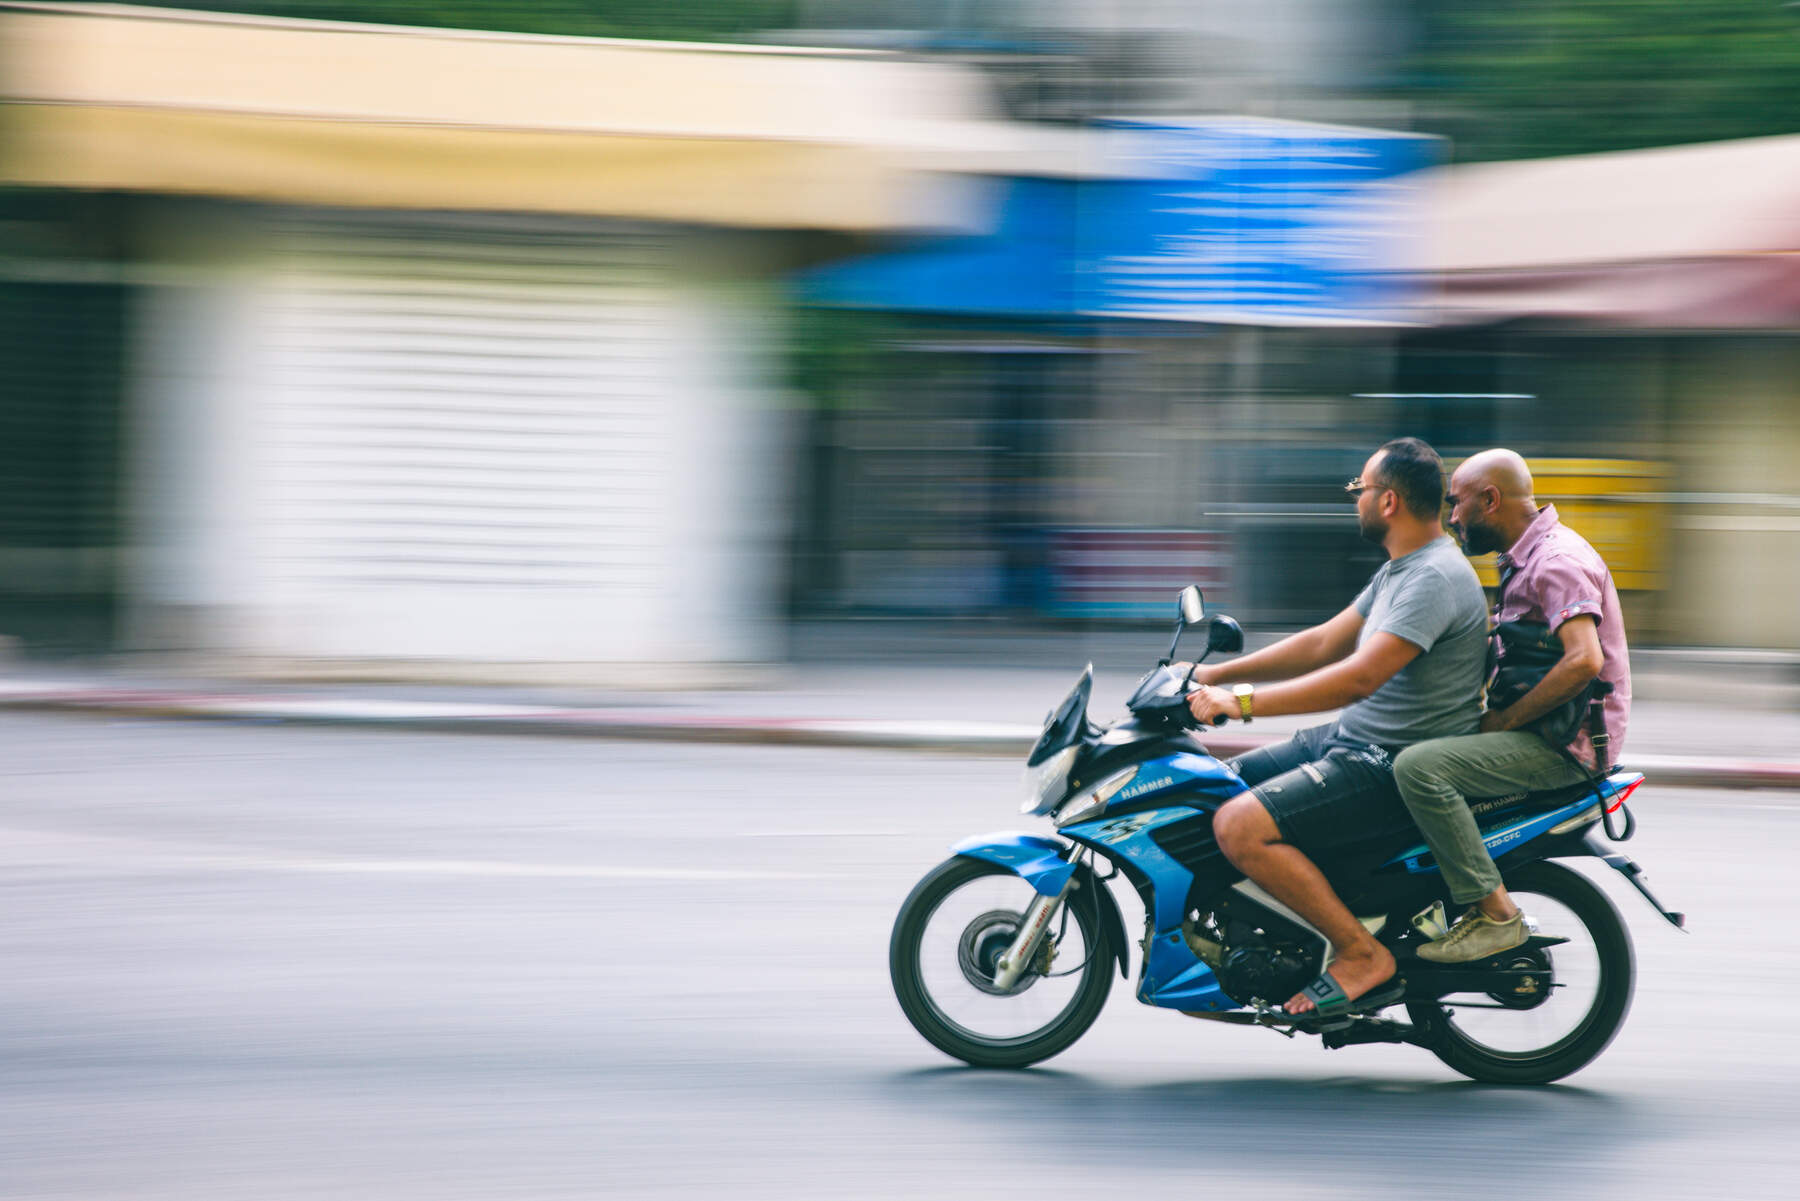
375 350
1624 320
1653 298
1076 60
1074 414
337 348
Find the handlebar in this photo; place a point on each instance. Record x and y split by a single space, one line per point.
1219 719
1185 716
1162 698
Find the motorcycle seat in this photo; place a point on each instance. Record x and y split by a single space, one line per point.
1533 802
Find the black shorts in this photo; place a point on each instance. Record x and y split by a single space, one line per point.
1322 790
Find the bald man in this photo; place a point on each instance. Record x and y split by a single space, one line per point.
1554 577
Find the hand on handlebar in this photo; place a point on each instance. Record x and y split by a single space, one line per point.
1202 674
1212 706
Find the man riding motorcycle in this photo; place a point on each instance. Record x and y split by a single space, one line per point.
1404 662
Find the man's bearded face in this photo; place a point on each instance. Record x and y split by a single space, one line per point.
1469 526
1372 526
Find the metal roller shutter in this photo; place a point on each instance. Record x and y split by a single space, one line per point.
464 436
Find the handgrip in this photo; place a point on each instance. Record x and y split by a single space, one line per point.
1220 719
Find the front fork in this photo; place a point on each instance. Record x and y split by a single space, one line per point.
1024 946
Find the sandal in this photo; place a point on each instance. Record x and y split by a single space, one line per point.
1331 1001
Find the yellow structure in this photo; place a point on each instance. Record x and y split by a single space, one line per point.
1619 505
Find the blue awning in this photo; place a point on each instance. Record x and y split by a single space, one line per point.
1234 220
1025 267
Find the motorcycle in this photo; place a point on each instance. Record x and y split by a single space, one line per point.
1002 956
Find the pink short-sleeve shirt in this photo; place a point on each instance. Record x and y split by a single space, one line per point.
1558 575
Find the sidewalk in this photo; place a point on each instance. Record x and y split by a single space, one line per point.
984 708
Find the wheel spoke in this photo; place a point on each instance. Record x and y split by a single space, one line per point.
948 942
1508 1036
1512 1030
982 1015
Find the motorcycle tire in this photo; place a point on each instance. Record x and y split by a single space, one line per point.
915 995
1598 1023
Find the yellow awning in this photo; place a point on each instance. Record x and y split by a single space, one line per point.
120 98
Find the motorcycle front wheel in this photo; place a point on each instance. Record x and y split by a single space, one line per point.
1506 1039
948 939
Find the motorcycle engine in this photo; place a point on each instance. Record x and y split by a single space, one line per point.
1266 957
1266 973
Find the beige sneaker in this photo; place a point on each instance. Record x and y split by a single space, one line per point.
1476 936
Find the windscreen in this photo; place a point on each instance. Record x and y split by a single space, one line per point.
1066 722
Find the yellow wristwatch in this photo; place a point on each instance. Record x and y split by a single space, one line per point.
1244 693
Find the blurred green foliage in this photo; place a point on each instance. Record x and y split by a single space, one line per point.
1526 78
676 20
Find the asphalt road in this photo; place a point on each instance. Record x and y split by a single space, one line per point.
259 962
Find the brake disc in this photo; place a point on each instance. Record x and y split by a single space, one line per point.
984 940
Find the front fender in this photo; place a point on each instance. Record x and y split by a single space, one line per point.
1042 863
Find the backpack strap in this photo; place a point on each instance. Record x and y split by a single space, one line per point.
1600 740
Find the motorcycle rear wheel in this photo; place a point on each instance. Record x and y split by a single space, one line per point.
1594 975
946 936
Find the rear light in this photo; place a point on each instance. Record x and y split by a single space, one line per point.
1614 802
1617 800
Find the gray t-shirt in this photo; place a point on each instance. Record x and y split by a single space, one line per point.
1432 599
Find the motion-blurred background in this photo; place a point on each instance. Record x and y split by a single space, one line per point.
393 348
887 359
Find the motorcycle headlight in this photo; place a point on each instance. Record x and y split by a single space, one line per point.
1044 784
1091 802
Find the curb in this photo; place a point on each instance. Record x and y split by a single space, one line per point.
1009 740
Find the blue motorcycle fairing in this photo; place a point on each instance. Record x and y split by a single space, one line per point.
1038 860
1182 771
1176 978
1419 860
1173 977
1128 837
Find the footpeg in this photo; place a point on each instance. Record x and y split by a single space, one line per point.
1368 1030
1431 923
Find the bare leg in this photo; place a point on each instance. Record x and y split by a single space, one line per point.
1251 840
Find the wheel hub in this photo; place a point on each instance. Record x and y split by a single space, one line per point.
1532 981
984 940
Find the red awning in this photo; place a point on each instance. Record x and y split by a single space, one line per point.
1689 236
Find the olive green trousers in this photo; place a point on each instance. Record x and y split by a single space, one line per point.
1437 777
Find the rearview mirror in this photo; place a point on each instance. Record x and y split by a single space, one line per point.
1190 610
1226 635
1191 605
